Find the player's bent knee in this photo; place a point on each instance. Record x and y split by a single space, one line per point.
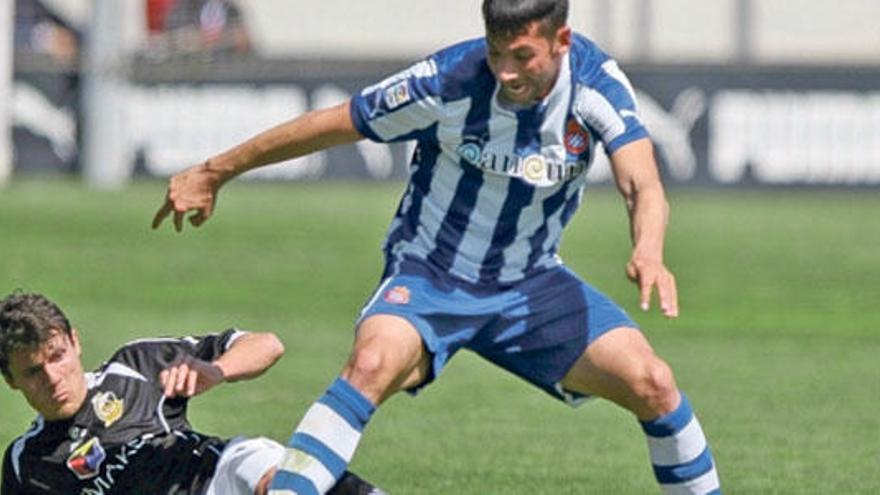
367 364
654 389
385 358
369 371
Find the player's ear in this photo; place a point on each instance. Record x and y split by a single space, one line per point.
74 339
562 40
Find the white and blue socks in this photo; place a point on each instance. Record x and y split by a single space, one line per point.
324 442
683 463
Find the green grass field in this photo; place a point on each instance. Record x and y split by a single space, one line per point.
777 345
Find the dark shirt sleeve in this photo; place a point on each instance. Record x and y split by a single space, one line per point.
211 347
150 356
10 485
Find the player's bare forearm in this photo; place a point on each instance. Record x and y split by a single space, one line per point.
196 188
305 134
637 179
249 356
649 215
639 182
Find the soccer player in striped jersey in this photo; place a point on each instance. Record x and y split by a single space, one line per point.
506 128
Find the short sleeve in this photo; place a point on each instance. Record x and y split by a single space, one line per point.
149 357
606 104
402 106
211 347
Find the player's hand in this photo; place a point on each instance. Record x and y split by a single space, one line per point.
190 378
194 189
650 274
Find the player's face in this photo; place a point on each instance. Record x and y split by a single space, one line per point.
50 376
527 64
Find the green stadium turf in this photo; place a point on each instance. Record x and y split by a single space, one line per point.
777 345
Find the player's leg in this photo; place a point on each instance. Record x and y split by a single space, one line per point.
571 340
349 484
247 466
621 366
388 355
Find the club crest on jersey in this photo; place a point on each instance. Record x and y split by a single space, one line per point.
397 95
576 138
86 459
108 407
397 295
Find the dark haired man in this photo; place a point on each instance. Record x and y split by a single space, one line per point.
507 126
123 428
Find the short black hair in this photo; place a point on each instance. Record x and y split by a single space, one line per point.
504 18
28 320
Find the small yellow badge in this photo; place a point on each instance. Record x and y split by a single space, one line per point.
108 407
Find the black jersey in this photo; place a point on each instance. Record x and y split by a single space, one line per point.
127 438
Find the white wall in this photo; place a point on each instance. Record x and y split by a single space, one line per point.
689 30
847 30
680 30
348 28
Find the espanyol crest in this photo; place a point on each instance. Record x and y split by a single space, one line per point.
576 138
397 295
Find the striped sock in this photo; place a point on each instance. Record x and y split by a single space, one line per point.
683 463
324 442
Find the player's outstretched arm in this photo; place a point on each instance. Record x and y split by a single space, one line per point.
635 171
195 189
248 357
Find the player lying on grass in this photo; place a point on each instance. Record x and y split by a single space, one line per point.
506 127
123 429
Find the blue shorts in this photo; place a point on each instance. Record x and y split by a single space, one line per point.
536 328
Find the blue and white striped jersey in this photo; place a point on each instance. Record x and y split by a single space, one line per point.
491 187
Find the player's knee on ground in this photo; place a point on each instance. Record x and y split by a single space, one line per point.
653 388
